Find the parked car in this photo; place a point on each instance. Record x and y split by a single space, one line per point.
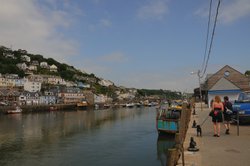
242 107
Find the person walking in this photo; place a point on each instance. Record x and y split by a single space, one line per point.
227 113
217 117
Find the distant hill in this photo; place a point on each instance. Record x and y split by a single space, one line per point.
10 58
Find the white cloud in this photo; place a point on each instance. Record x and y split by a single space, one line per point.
235 10
155 9
33 26
229 11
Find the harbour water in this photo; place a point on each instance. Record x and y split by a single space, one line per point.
125 136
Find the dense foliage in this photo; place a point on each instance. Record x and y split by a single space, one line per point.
164 94
247 73
8 65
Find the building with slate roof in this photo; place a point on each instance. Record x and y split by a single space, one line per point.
225 82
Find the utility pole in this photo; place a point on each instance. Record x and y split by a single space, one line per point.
199 77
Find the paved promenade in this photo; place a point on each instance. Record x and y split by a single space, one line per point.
226 150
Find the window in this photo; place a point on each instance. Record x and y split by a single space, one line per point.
227 73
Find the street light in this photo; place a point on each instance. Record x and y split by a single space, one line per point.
199 78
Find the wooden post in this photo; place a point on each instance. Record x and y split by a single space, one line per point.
171 158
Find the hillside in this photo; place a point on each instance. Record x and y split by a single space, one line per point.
10 59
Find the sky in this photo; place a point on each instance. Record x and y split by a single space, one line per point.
152 44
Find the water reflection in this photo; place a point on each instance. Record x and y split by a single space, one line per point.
164 142
103 137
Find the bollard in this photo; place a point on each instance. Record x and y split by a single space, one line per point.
194 124
192 145
194 113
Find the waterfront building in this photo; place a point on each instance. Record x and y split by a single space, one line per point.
10 96
49 97
225 82
29 98
69 95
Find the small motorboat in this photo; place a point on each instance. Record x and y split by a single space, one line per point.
14 111
82 105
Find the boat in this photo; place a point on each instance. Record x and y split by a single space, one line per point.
15 111
138 104
130 105
106 106
123 105
52 108
82 105
167 120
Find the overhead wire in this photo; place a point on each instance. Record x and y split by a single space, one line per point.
211 41
208 31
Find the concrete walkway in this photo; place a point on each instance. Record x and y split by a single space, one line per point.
226 150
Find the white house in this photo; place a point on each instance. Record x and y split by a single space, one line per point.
22 66
32 86
44 65
53 68
101 99
10 55
71 84
32 68
106 83
35 78
55 80
25 58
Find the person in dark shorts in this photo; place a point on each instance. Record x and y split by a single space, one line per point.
217 117
227 113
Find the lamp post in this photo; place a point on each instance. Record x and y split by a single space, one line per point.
199 78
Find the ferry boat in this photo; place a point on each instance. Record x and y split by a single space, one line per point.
15 111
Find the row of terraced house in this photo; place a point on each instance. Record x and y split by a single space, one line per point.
27 91
30 91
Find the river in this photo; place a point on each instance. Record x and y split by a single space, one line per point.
124 137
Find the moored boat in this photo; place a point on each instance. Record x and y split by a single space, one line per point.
52 108
15 111
106 106
167 120
82 105
130 105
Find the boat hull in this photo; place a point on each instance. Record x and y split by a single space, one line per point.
168 126
15 111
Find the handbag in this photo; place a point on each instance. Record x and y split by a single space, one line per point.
211 113
228 111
